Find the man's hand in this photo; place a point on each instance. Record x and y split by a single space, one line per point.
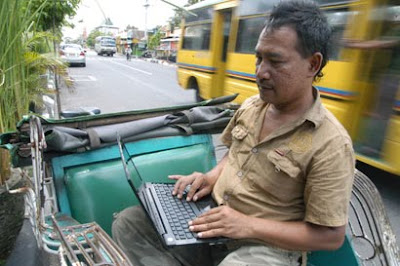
221 221
292 235
201 185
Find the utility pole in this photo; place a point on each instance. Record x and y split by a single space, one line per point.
146 6
58 100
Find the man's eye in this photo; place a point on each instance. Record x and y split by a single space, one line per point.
258 60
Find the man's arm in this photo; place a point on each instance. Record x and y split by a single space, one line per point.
296 235
299 235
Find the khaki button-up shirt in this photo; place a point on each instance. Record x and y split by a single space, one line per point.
302 171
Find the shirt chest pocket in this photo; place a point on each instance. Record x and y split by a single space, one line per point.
239 133
284 164
238 148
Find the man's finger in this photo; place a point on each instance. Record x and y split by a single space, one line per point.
205 227
175 177
211 233
195 186
205 218
179 187
177 184
201 193
211 212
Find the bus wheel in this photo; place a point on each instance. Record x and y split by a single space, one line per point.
198 97
193 85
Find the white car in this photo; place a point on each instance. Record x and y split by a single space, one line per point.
73 54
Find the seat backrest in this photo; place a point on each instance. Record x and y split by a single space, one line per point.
93 185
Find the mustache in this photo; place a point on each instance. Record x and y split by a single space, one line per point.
264 84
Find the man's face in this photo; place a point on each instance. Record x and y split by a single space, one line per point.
283 76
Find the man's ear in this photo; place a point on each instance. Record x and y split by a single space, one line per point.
315 63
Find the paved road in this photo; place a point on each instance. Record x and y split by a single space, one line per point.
113 84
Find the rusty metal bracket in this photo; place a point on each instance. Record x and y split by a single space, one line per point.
88 244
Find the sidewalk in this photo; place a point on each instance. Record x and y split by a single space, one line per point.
159 61
151 60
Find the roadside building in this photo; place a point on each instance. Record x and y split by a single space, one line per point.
168 47
108 29
130 38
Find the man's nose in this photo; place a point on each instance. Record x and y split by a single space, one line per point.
263 71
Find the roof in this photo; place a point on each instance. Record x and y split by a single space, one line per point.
174 39
205 3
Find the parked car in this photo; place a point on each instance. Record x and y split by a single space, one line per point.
147 54
73 54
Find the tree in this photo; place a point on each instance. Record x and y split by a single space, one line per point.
22 62
154 40
175 21
90 41
52 12
23 59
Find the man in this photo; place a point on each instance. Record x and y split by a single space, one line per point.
285 184
128 52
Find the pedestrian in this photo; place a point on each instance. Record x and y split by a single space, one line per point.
284 185
128 52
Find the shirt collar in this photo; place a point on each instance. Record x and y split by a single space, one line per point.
316 113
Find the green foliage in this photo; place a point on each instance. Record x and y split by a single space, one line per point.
154 40
24 59
92 36
13 91
175 21
53 12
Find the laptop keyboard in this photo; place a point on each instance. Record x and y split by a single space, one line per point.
178 212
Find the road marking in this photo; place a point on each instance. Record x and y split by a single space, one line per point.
144 72
165 94
81 78
105 59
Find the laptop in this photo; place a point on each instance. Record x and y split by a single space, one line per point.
168 214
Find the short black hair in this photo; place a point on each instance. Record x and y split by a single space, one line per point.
309 22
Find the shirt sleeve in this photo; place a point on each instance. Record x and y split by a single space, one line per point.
226 137
329 185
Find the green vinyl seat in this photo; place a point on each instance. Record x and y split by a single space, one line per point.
94 191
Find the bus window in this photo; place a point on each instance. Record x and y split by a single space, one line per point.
338 19
202 15
249 30
197 37
251 7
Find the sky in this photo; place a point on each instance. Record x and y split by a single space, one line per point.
121 13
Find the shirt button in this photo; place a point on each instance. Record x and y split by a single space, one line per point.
254 150
239 174
226 197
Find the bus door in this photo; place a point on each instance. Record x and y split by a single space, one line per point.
378 141
220 50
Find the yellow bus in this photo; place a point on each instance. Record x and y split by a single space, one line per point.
216 58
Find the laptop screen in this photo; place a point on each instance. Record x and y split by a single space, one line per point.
131 172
